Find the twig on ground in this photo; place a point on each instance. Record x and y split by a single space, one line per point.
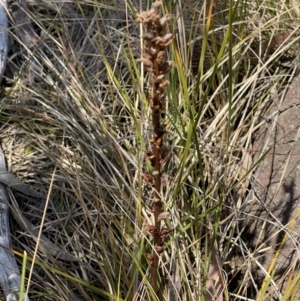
9 272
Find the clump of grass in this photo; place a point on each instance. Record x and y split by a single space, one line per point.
84 121
154 59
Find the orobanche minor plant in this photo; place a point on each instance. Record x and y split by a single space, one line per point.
154 59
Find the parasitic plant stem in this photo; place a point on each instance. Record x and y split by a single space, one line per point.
156 41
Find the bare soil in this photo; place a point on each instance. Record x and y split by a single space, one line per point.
271 218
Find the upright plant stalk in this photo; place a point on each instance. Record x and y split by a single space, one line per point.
156 41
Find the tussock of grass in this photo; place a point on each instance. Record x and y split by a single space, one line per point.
86 119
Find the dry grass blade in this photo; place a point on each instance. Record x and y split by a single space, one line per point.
215 284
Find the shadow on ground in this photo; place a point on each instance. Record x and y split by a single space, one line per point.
270 223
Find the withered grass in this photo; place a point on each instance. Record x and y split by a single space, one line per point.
89 118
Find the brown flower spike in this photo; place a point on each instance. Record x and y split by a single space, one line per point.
156 40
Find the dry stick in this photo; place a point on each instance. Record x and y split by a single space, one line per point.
10 278
3 37
9 271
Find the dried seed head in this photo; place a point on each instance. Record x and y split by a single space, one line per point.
158 249
164 156
162 216
165 67
164 21
160 57
161 96
148 153
164 84
144 17
151 209
159 143
148 36
164 41
148 55
149 257
147 62
157 108
159 78
156 199
148 179
150 229
164 232
155 6
155 173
